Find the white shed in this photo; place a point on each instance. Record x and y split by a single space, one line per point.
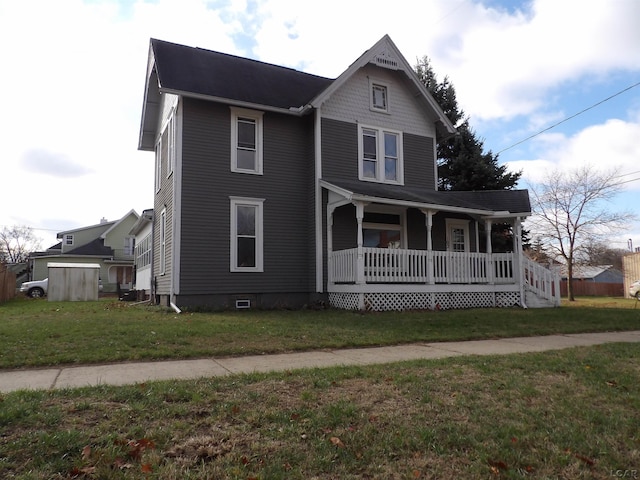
73 281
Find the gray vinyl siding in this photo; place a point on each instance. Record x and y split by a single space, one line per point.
207 184
419 170
339 149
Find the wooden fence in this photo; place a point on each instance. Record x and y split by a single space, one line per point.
593 289
7 283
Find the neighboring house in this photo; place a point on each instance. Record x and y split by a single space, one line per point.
142 231
594 273
108 244
275 187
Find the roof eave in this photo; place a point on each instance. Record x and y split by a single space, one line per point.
295 111
357 197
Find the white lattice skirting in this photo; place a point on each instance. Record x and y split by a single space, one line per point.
422 301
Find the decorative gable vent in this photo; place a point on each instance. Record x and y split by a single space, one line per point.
385 60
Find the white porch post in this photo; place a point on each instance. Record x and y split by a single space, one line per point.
518 270
490 267
428 214
330 210
360 262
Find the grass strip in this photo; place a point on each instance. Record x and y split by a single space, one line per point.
40 333
563 414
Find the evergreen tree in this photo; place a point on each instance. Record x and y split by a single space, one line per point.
462 162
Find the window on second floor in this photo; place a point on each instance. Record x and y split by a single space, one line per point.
68 239
246 141
158 179
170 136
380 155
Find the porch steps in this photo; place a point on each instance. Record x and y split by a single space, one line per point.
532 300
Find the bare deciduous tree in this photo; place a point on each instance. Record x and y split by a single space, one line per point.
16 243
570 210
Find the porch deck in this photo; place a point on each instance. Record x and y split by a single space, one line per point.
401 279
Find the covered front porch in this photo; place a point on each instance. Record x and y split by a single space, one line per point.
386 253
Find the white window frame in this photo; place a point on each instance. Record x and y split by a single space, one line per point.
170 128
163 241
257 117
377 84
257 203
68 239
159 164
380 155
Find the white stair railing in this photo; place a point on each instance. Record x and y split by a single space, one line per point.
542 281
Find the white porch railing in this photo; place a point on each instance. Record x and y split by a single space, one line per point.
384 265
543 282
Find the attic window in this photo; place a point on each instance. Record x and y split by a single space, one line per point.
68 239
379 100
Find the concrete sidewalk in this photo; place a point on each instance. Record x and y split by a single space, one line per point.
138 372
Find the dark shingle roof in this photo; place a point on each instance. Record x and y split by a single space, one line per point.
95 247
512 201
205 72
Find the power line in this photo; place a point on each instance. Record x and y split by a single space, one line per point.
569 118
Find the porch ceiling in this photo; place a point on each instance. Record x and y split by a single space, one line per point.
504 203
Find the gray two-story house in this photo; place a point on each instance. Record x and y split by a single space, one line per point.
276 188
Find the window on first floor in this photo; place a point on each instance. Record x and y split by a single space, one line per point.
382 230
163 241
247 235
380 155
143 252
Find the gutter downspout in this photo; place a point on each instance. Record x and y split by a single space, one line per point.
175 307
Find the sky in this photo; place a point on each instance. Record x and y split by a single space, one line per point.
73 72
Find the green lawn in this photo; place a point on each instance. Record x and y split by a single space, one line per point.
565 414
40 333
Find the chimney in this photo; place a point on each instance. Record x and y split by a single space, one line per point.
103 220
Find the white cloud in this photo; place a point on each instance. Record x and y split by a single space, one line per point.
73 78
611 145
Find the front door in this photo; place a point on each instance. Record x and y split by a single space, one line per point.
458 246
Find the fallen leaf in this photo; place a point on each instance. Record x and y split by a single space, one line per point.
146 468
121 464
498 464
417 473
612 383
586 460
337 442
514 440
86 452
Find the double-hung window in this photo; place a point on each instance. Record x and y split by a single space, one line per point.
169 136
246 141
163 241
246 234
380 152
